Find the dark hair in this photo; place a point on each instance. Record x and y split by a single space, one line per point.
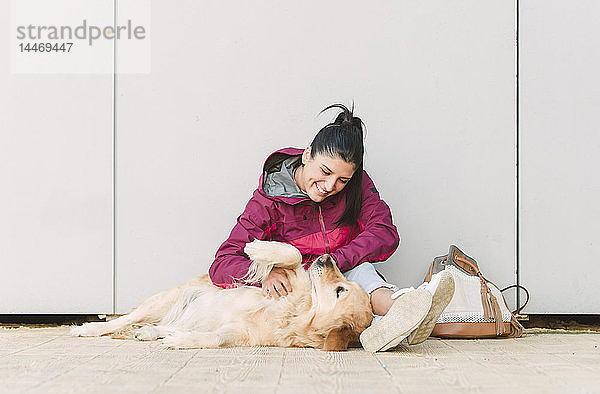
344 139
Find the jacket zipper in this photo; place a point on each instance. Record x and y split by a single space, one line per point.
323 229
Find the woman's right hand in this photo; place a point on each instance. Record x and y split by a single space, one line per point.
277 283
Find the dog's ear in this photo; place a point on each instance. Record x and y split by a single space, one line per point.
339 338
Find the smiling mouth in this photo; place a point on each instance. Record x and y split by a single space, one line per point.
320 190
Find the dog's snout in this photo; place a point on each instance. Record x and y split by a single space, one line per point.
325 260
323 264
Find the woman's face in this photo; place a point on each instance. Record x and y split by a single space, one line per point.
322 176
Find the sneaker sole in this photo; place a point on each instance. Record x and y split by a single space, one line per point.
441 299
406 313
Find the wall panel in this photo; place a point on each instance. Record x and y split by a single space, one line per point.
232 81
560 155
56 199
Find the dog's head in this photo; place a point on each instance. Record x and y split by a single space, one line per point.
342 308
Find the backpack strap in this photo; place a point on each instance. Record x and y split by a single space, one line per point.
491 307
519 309
516 329
436 265
461 260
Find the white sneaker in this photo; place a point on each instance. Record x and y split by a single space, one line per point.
441 287
405 315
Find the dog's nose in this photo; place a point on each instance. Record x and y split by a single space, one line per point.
324 260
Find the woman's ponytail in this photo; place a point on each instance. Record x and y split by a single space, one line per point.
344 139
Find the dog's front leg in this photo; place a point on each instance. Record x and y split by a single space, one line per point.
265 255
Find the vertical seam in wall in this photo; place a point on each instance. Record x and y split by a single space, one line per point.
517 129
114 165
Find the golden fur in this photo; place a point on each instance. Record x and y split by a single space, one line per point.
323 311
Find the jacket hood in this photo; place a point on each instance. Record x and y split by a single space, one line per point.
273 161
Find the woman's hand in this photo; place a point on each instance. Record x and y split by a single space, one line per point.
277 283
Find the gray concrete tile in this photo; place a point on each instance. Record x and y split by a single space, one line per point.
49 360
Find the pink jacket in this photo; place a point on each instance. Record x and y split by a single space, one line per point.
309 227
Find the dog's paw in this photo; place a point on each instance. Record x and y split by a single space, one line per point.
283 254
191 340
147 333
87 330
179 340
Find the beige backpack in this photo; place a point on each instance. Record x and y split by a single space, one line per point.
478 308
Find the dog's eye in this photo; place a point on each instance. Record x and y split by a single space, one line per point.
339 291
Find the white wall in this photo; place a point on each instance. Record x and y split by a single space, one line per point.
232 81
560 155
56 188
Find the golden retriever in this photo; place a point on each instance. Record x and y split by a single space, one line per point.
323 311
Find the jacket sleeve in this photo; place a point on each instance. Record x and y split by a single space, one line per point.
379 238
231 263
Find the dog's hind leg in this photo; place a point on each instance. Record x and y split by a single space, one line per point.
193 340
151 311
97 329
145 314
152 333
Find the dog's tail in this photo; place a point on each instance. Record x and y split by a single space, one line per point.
266 255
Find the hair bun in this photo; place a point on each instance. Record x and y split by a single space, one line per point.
346 117
343 138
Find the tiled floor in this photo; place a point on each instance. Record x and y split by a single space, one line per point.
49 360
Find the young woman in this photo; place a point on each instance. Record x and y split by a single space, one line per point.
322 201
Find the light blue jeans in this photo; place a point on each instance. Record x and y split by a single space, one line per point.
365 275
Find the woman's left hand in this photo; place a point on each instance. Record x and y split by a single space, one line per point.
277 283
